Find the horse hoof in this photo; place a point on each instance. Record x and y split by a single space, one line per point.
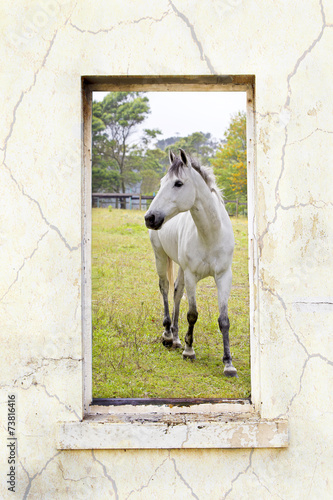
230 371
189 356
177 345
167 342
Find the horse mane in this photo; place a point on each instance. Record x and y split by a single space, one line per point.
206 173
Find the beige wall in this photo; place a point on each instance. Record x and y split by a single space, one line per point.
45 49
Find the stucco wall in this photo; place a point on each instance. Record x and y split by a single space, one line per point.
46 47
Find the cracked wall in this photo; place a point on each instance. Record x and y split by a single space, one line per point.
45 49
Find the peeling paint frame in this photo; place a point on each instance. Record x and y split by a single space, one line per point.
228 423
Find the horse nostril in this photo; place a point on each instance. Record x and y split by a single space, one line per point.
150 218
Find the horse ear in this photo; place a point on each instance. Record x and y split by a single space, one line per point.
183 156
171 157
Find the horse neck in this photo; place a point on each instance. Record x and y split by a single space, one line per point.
205 212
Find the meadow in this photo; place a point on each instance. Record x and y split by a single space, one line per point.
129 360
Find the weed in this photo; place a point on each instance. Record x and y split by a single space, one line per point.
128 357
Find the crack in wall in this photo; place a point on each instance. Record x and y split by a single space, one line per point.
11 128
24 93
51 226
308 136
22 266
287 102
265 115
15 384
37 384
313 476
120 24
31 479
308 355
275 294
37 369
182 479
239 474
68 408
203 56
306 52
313 203
187 432
317 302
150 479
264 486
62 358
73 480
109 478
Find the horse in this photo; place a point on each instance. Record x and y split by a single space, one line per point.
189 225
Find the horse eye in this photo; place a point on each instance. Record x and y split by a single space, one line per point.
178 184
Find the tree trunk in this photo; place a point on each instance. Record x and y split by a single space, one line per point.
122 200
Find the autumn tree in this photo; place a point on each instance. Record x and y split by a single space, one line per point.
229 162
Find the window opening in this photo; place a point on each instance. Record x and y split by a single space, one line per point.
129 362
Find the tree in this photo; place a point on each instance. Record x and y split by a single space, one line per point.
198 144
164 143
114 121
153 162
154 167
229 162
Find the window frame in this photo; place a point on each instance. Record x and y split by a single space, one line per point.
226 424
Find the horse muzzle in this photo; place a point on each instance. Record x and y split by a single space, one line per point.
154 220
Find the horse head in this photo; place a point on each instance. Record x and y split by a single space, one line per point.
176 194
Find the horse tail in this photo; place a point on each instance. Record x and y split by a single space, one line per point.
170 274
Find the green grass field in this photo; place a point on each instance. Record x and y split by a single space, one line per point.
129 360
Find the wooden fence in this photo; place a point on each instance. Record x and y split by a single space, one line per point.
105 197
238 204
138 198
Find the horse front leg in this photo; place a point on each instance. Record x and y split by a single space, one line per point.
178 293
161 260
192 316
167 337
223 284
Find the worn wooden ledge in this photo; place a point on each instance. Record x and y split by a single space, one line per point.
227 403
172 431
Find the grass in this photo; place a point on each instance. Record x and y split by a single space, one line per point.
129 360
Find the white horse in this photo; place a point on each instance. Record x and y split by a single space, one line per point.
189 225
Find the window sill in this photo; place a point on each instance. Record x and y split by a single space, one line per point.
161 428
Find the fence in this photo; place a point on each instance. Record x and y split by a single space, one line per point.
132 200
238 205
139 201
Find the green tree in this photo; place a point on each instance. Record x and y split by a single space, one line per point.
229 162
198 144
155 164
115 161
105 172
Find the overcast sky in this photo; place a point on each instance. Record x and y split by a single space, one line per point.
182 113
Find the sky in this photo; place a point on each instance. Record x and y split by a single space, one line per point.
182 113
